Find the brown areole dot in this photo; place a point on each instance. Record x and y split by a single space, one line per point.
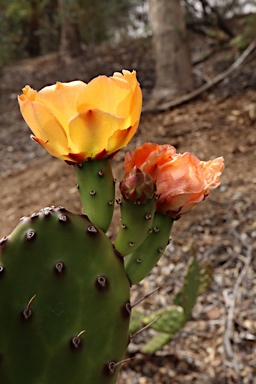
63 218
59 268
2 270
102 283
3 241
30 235
92 230
126 310
76 342
109 368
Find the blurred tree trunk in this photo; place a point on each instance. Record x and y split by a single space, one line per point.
33 40
173 65
69 32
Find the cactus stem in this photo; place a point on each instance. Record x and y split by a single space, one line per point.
27 312
101 173
156 229
92 193
76 340
144 328
131 243
138 261
144 297
30 235
102 283
150 230
148 216
59 268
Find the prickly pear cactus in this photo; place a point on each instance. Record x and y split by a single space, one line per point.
96 187
62 287
139 263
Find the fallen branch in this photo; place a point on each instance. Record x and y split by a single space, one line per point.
205 87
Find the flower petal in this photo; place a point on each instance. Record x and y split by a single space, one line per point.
182 180
44 125
61 99
136 101
90 131
212 170
109 94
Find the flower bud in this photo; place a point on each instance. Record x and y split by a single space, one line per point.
137 186
182 180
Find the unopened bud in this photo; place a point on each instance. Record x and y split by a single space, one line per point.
137 186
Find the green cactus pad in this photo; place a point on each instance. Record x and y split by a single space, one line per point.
139 264
62 318
186 297
136 220
171 319
157 342
97 191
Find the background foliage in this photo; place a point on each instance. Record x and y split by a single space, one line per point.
30 28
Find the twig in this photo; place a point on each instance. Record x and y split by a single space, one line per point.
205 87
230 316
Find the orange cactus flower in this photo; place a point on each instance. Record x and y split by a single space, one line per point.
182 180
75 121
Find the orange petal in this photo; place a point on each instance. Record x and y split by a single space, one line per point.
50 149
136 101
212 171
90 131
61 99
44 125
109 94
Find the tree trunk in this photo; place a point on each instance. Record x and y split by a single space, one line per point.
69 32
173 65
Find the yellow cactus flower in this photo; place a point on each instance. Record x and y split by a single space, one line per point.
76 121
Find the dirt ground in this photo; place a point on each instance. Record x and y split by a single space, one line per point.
218 344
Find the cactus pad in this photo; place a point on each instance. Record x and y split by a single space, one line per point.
96 187
139 263
59 276
136 221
